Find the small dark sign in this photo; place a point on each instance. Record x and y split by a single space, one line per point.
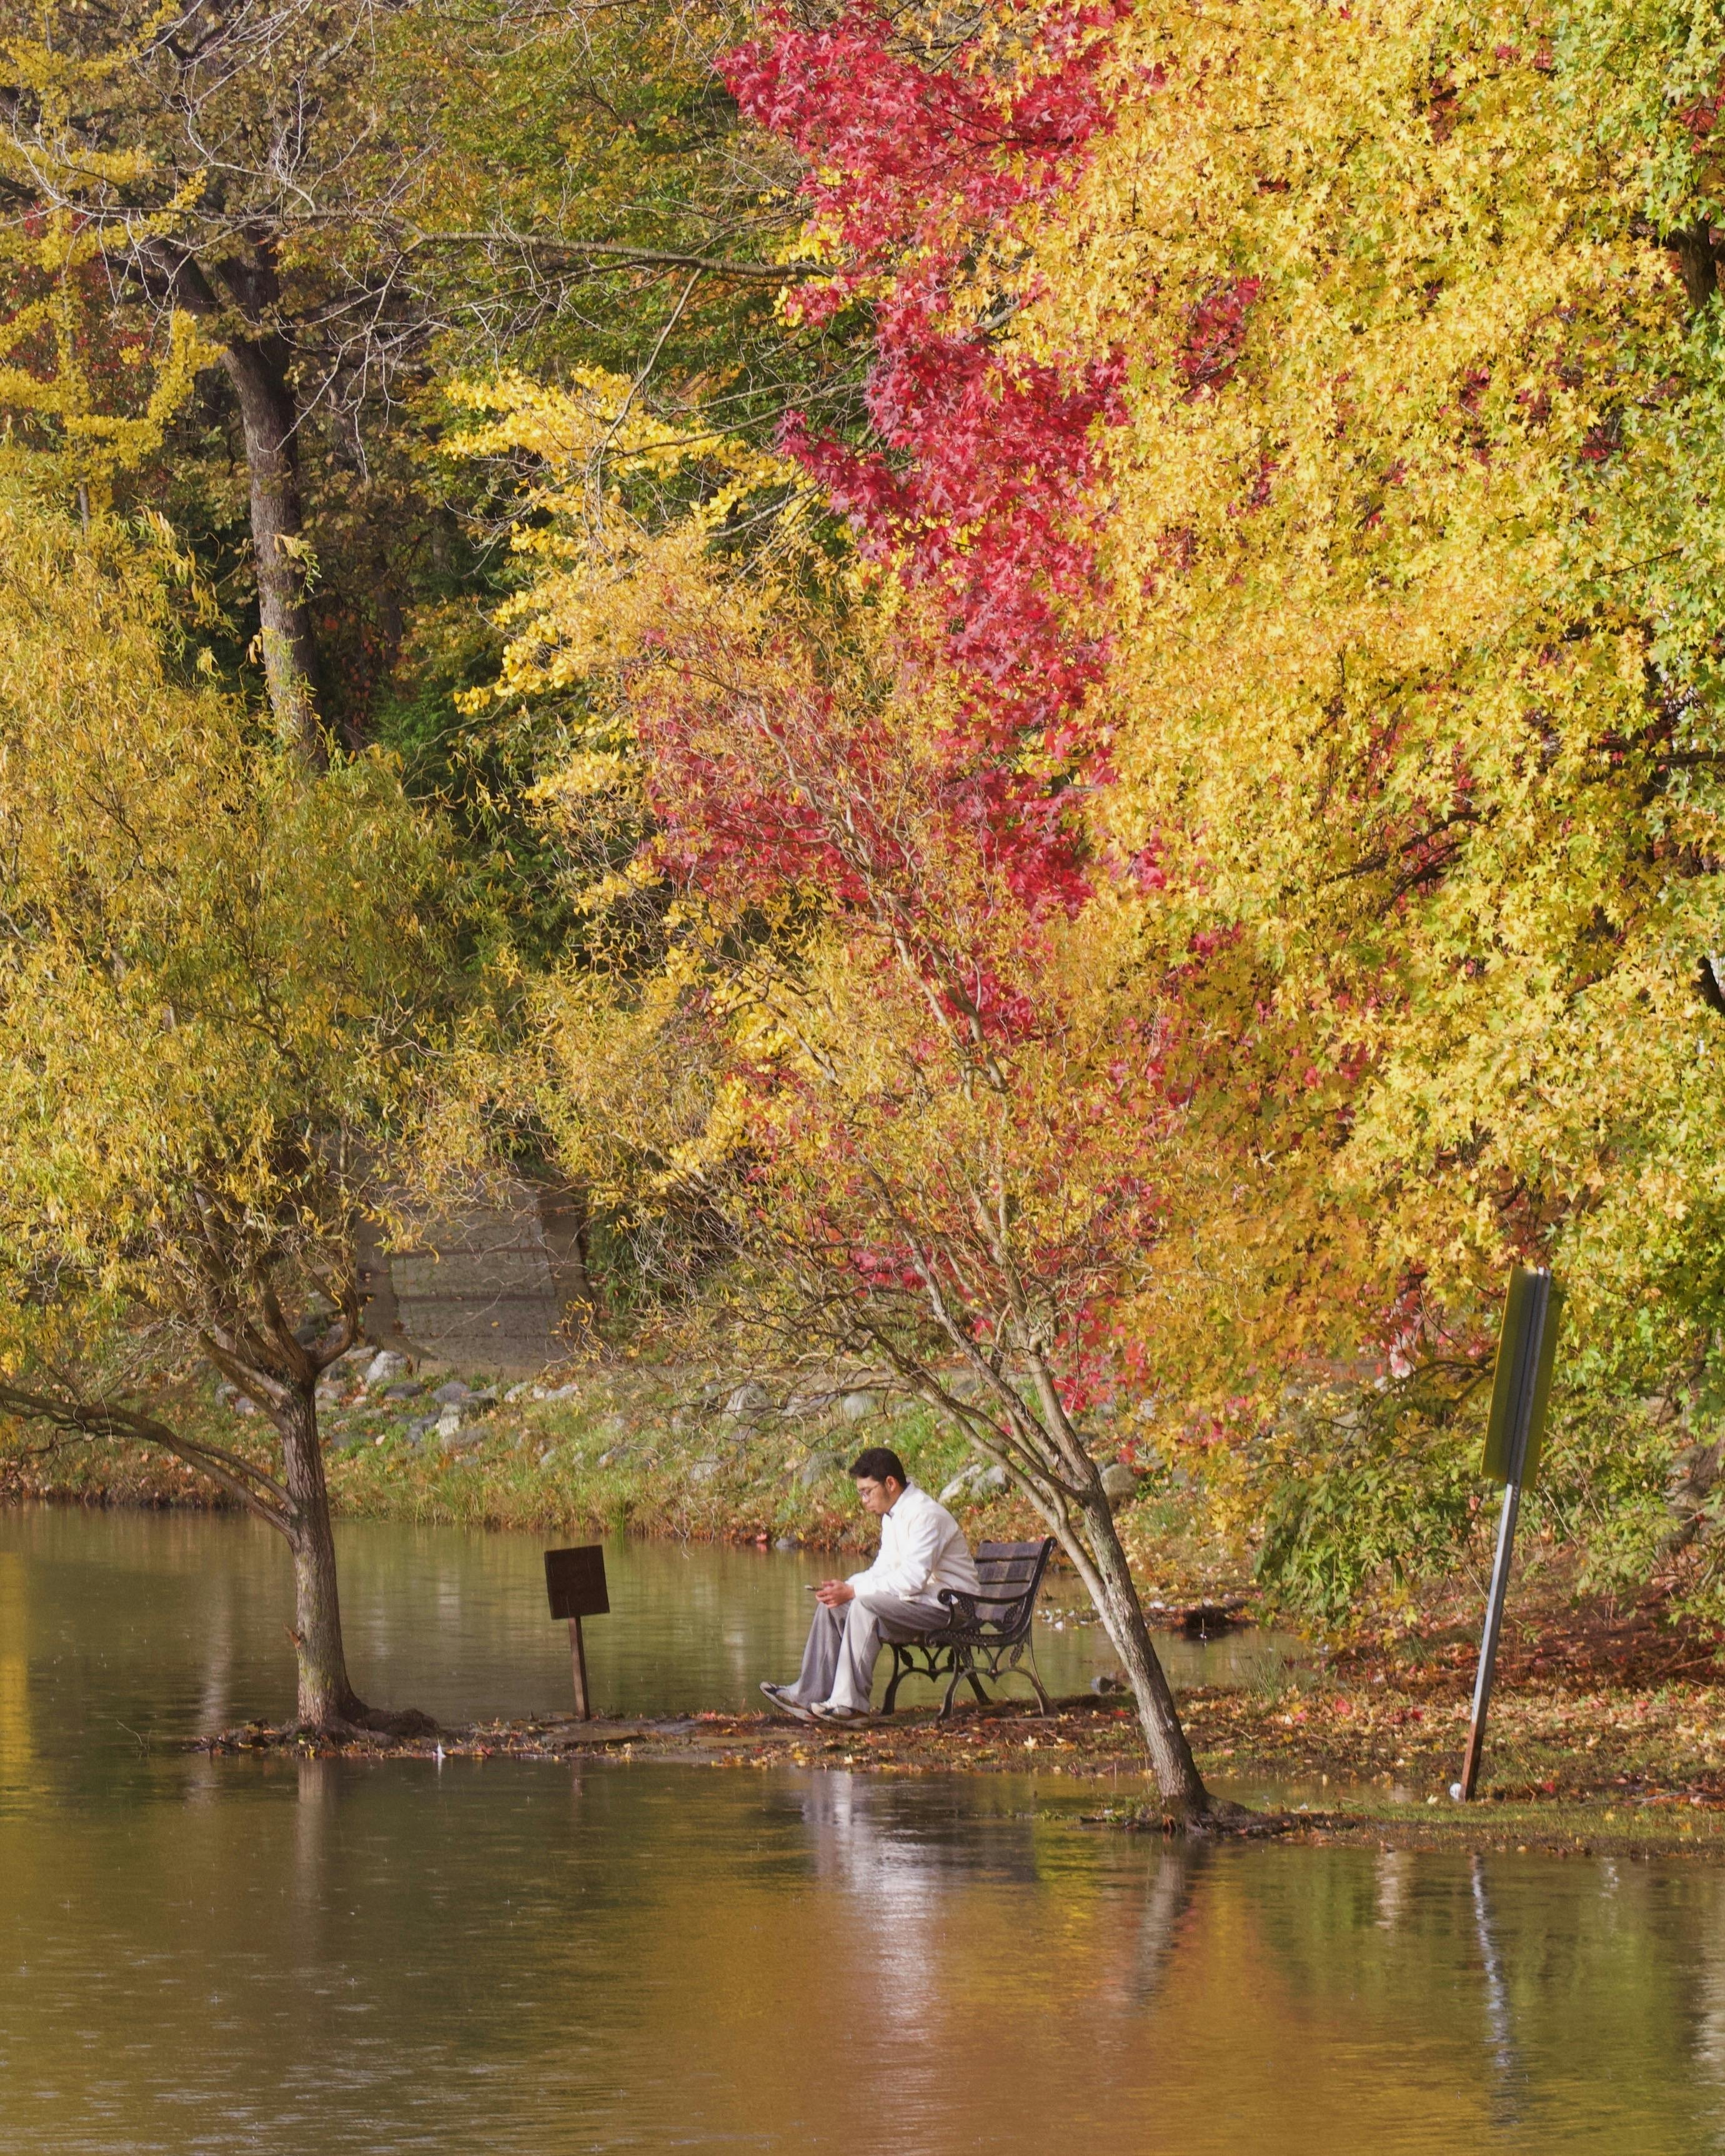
1527 1352
575 1582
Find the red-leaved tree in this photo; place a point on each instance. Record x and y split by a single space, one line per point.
926 174
951 1149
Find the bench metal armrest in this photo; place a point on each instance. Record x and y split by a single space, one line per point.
982 1618
961 1606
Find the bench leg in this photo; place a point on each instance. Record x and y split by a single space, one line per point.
901 1671
1016 1660
960 1672
963 1672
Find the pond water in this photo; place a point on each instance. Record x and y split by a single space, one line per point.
236 1955
173 1623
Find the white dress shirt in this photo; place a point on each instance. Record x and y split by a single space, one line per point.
922 1550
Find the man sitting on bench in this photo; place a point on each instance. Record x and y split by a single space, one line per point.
922 1550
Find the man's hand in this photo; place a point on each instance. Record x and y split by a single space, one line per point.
835 1593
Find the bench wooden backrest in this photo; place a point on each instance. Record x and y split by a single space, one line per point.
1009 1571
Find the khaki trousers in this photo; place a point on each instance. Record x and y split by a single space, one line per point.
838 1661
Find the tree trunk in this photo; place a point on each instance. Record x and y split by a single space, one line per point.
380 1308
563 1220
1049 1461
1177 1780
326 1698
259 373
236 301
1698 264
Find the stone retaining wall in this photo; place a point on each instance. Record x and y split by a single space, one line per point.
499 1284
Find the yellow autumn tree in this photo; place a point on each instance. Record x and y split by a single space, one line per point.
227 992
1398 711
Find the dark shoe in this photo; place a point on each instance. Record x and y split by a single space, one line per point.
779 1697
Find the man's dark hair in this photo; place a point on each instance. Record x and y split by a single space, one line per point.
878 1464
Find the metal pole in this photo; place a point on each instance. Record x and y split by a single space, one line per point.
577 1658
1526 1343
1488 1644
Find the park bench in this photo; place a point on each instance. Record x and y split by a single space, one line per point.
987 1633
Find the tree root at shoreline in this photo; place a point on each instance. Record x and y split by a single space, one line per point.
340 1731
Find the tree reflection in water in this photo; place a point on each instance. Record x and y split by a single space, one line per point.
203 1958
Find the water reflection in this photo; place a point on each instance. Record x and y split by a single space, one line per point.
200 1956
1168 1906
16 1747
1709 2041
505 1958
894 1881
1393 1867
1506 2066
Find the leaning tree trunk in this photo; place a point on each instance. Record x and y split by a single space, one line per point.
1047 1461
1177 1780
259 374
1092 1542
326 1698
237 300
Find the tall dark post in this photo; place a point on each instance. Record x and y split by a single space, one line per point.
1526 1347
577 1659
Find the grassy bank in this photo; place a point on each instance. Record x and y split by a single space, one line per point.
701 1453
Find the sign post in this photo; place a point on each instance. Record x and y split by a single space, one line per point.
575 1586
1526 1348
